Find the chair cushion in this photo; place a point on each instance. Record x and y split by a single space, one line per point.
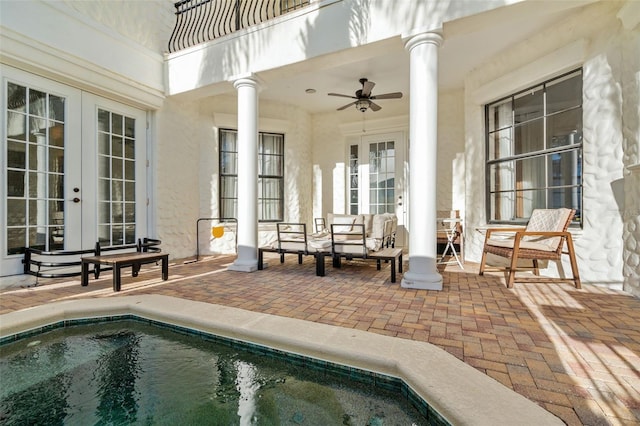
319 244
344 220
553 220
508 243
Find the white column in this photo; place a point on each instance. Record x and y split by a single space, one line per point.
247 260
423 142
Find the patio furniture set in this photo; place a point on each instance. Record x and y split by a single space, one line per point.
362 236
372 237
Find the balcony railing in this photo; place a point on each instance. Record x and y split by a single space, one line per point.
199 21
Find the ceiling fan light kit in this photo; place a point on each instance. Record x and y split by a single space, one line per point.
363 98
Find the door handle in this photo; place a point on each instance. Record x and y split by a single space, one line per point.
76 200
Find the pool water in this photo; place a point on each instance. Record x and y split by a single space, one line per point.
128 372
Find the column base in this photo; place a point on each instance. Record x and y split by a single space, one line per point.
422 281
244 266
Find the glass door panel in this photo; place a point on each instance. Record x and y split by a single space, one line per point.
39 144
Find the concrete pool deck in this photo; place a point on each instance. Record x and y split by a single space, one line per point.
454 389
575 353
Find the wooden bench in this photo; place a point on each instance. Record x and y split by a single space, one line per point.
123 260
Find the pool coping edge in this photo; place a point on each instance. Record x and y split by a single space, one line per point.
457 391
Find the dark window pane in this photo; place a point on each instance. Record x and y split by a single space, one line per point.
565 169
56 134
16 97
116 124
104 120
530 173
16 183
56 186
56 108
564 128
56 160
502 176
564 93
129 127
16 212
104 235
529 105
16 126
16 239
129 149
529 137
16 155
500 115
37 103
116 146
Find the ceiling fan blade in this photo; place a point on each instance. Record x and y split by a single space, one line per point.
394 95
343 96
367 86
374 106
346 106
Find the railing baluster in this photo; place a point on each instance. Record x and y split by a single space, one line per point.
199 21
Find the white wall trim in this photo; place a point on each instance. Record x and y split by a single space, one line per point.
561 60
225 120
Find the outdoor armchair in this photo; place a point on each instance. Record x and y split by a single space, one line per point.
543 239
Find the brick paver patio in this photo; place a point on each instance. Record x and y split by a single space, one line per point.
574 352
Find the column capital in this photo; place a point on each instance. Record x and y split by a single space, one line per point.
417 38
245 80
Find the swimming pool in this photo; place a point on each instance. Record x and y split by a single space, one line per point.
451 391
134 371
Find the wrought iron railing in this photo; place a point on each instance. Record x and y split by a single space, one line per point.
199 21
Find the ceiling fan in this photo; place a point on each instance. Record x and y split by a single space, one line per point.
363 98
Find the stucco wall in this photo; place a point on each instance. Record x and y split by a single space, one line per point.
180 131
630 87
594 35
125 17
451 164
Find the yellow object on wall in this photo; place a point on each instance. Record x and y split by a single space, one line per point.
217 231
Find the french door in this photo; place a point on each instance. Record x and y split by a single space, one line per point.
376 177
68 157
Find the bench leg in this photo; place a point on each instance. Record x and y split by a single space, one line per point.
393 270
299 258
116 277
260 260
400 263
378 264
85 274
165 268
135 269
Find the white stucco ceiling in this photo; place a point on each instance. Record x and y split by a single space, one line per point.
468 42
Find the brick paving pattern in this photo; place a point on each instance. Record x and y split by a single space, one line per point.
574 352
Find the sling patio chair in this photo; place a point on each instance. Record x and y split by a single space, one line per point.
543 239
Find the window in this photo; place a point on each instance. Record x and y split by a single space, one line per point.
270 175
534 150
116 179
354 201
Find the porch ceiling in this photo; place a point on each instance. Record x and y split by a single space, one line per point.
468 42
